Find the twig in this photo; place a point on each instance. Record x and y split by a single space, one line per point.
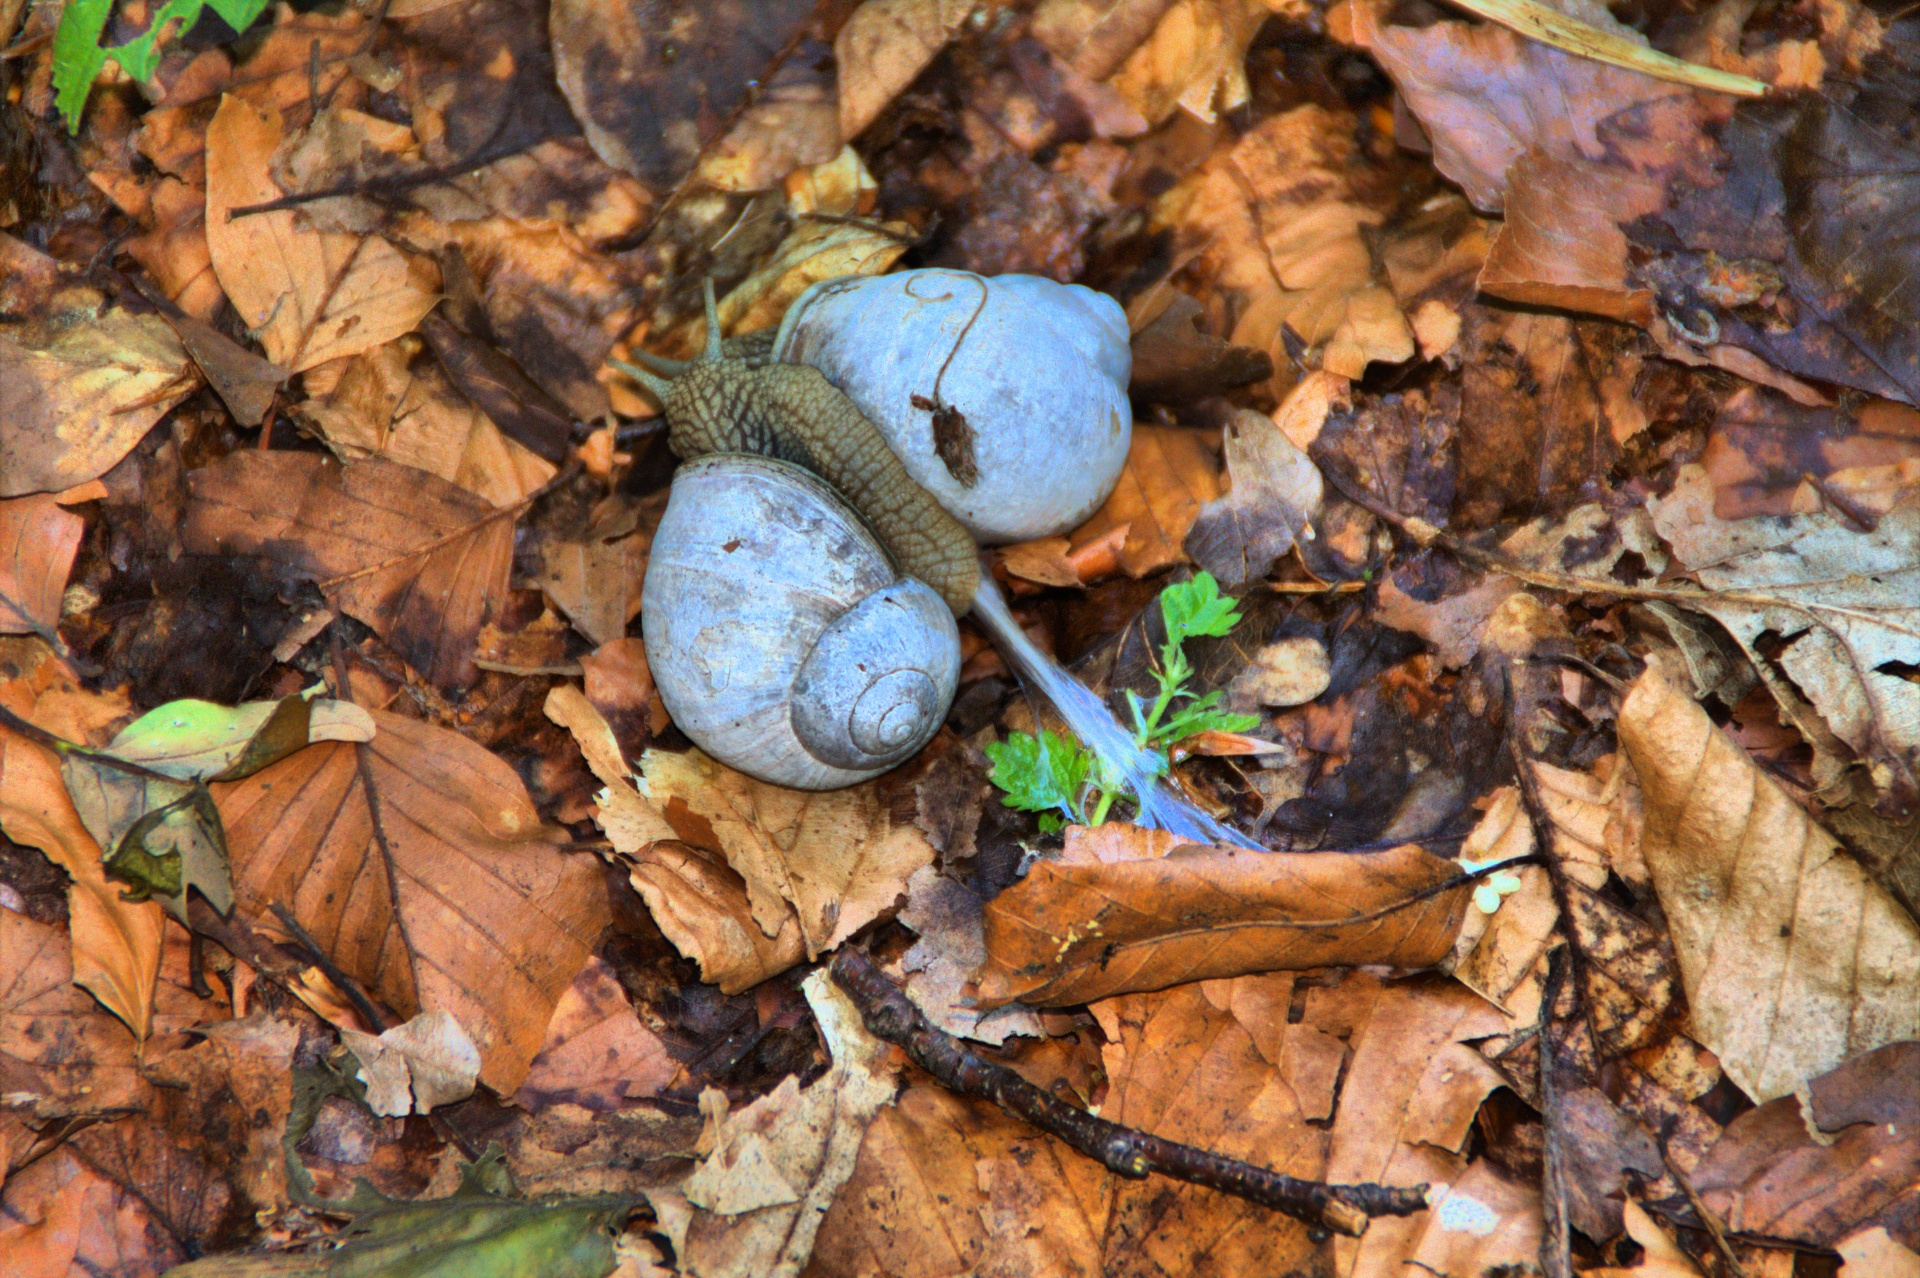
890 1015
565 476
324 961
1708 1220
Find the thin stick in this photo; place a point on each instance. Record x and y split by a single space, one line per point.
890 1015
1710 1221
322 960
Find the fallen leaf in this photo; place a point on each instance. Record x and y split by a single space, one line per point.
1820 1169
703 908
834 857
1195 60
1085 926
882 47
597 1053
1286 672
620 686
1095 37
61 1217
441 571
38 540
948 917
385 403
1175 362
1793 959
1274 491
777 1164
308 295
1170 474
1408 1120
80 384
415 1066
1872 1253
1843 601
630 821
492 920
116 943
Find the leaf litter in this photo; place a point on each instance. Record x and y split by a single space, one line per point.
1547 422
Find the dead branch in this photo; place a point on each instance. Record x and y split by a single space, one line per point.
890 1015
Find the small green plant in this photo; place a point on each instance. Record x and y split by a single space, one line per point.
1059 779
78 57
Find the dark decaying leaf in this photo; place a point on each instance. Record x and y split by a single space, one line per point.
441 572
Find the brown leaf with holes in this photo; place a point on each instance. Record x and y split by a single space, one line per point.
308 295
1169 476
1794 960
438 571
492 921
836 858
1120 910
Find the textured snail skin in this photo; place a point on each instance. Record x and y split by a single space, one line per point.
791 412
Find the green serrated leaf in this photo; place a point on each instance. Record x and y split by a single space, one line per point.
78 57
1197 607
1040 774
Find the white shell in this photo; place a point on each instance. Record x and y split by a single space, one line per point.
1039 370
782 639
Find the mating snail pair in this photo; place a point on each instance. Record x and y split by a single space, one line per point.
802 586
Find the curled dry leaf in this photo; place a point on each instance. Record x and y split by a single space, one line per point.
940 966
1846 603
1140 917
1794 960
1194 60
777 1164
38 540
834 858
308 295
411 1068
116 943
441 570
492 920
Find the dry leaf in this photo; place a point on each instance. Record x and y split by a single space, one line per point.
777 1164
630 822
940 966
38 540
493 921
702 907
409 1069
116 943
442 572
1095 37
1663 1258
386 402
309 296
1170 474
1195 59
598 1054
61 1217
883 46
1275 489
1872 1253
1089 925
79 388
834 857
1794 960
1846 603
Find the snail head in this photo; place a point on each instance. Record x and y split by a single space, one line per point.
702 397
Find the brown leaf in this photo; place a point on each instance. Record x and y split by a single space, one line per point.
320 519
1195 60
1275 490
1118 913
426 1061
492 920
1176 362
834 857
883 46
1095 36
1414 1087
80 384
1170 474
309 295
1559 246
387 403
702 907
116 942
939 968
60 1218
1793 959
1872 1253
38 540
598 1054
1846 603
620 686
1817 1171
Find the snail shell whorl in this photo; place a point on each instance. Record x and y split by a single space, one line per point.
1036 370
779 634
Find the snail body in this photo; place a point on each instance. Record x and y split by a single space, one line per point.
780 635
1005 397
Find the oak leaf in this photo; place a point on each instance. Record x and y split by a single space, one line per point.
1084 926
1793 959
492 919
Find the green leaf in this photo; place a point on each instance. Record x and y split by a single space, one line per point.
1197 607
78 57
1040 774
1204 716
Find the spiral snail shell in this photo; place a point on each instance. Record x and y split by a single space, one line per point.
781 637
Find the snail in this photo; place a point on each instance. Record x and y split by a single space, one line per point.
779 633
801 589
